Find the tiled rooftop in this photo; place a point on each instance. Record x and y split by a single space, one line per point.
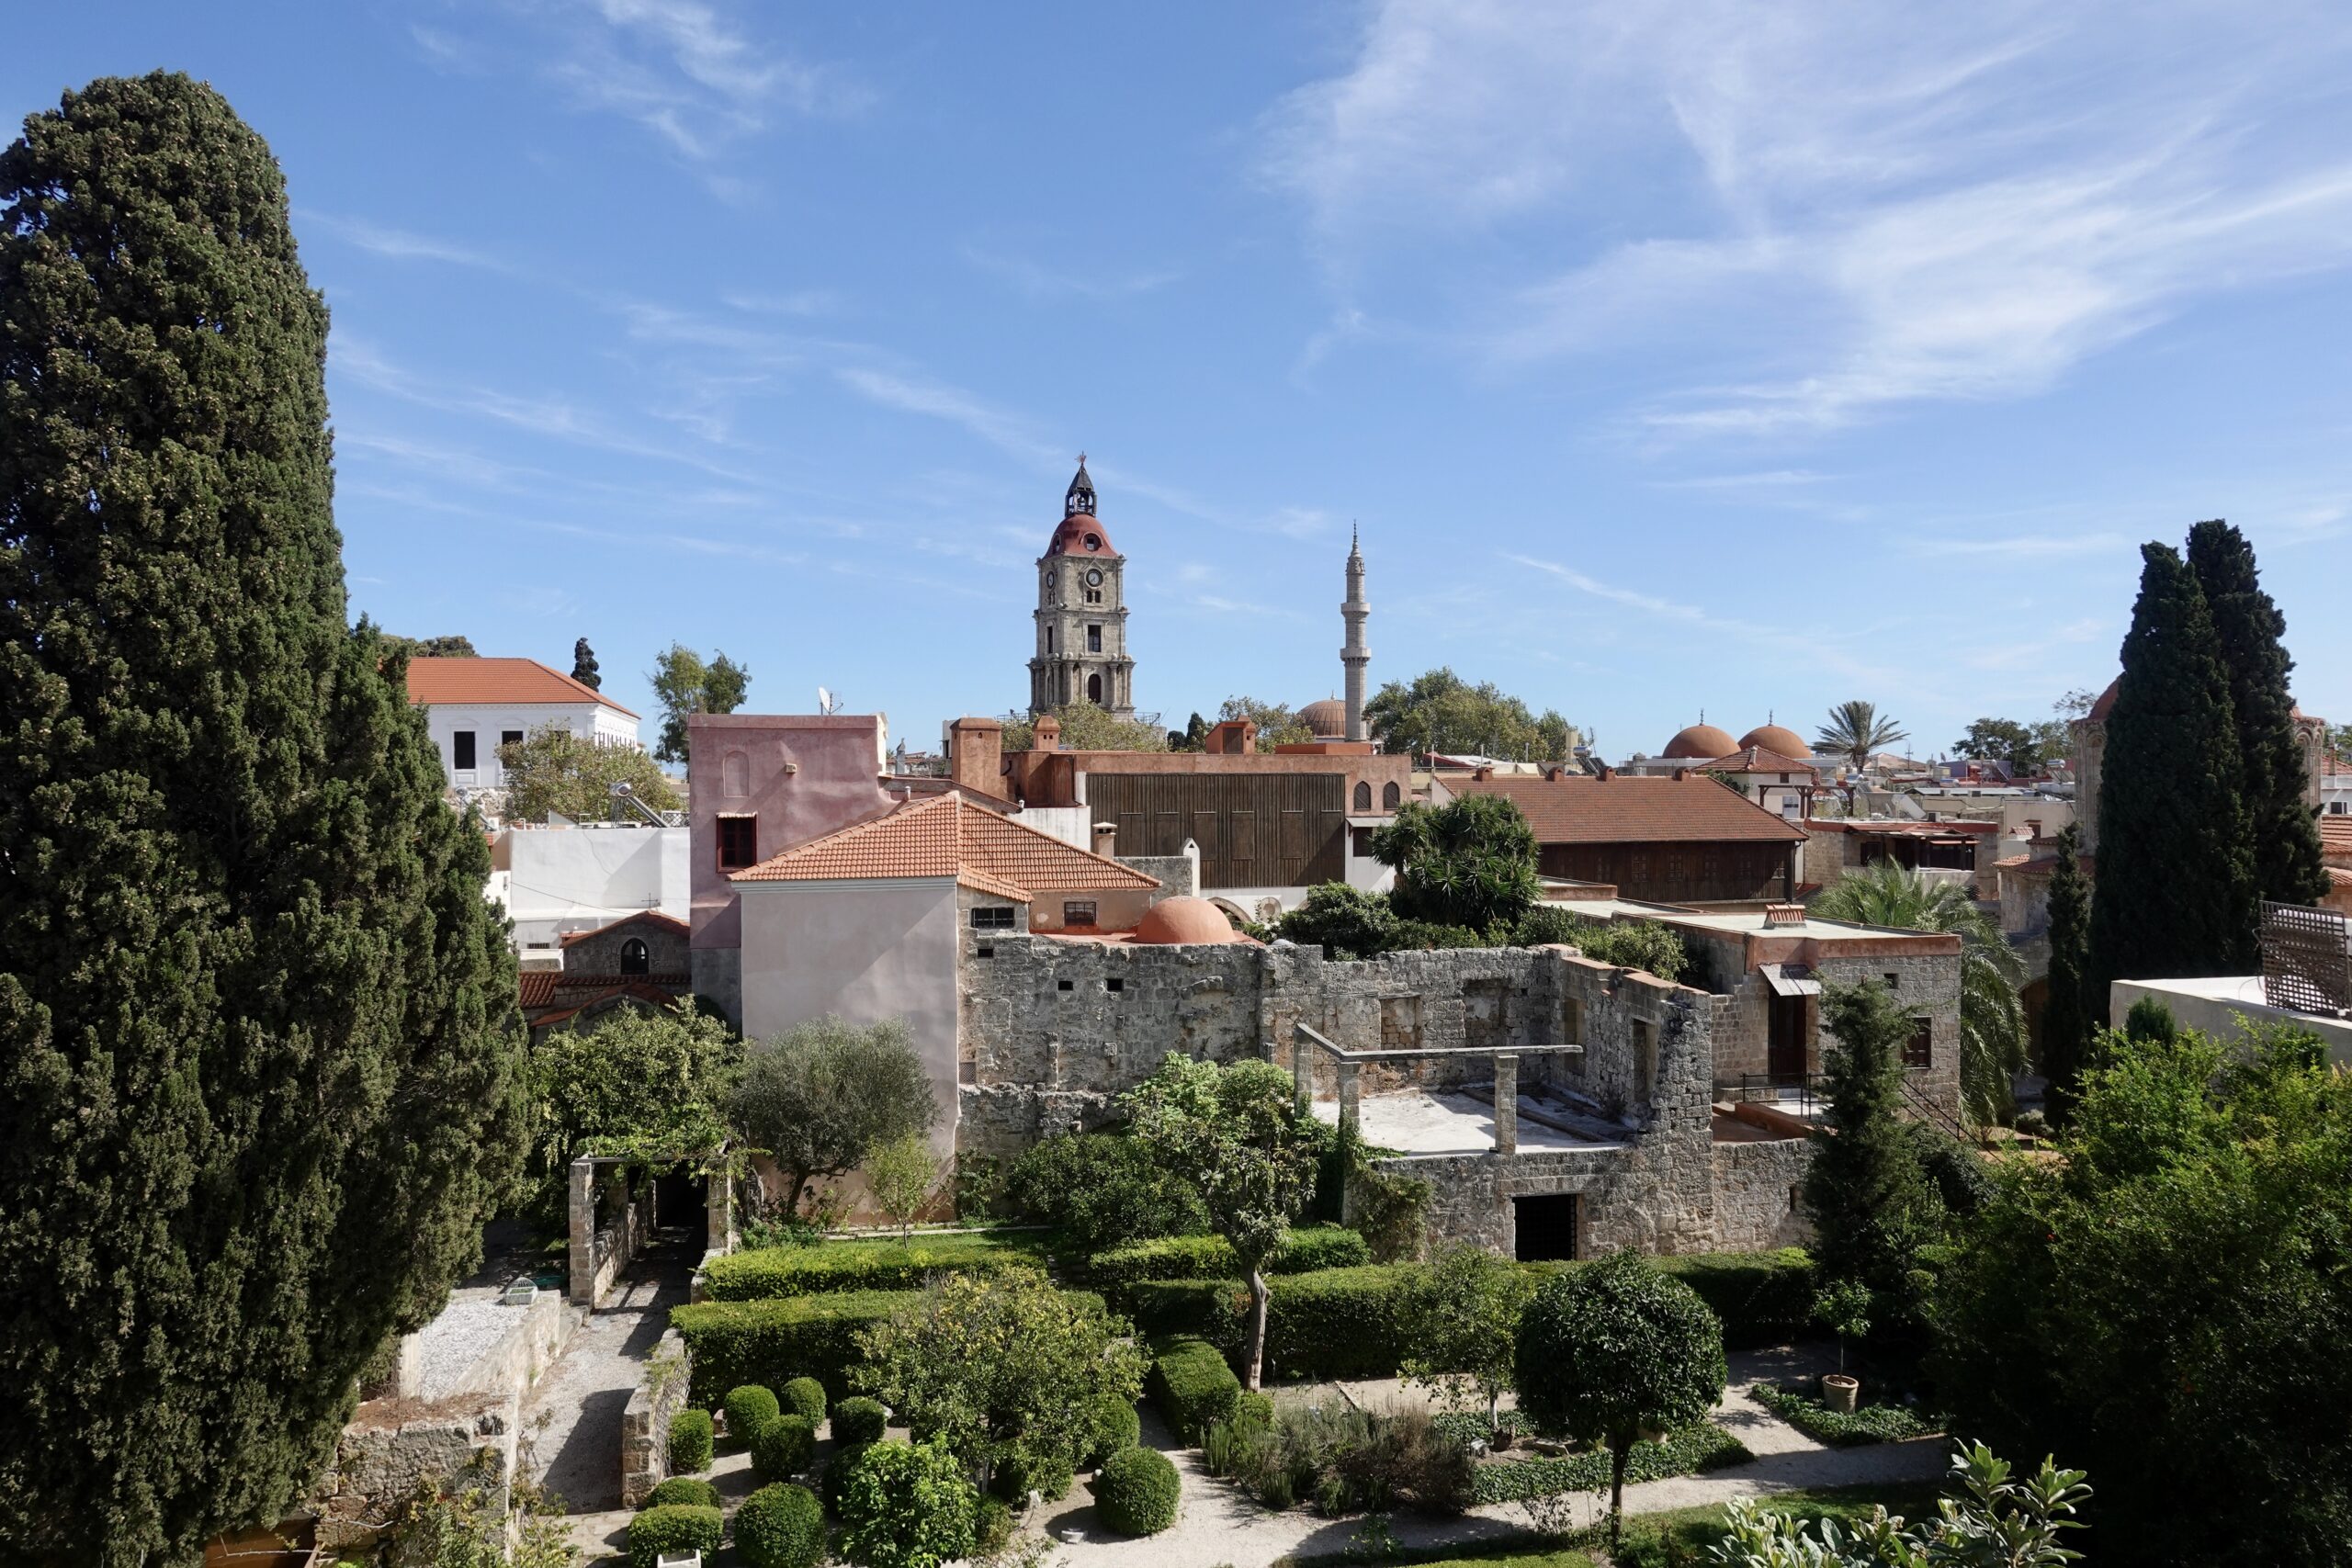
1624 808
948 836
437 682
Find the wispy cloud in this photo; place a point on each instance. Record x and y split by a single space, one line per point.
1039 281
2032 547
400 245
1812 646
1843 210
1008 432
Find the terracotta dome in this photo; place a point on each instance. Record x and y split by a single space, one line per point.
1327 717
1701 743
1079 535
1776 737
1189 920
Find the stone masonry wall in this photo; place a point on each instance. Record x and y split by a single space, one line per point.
1756 1194
393 1446
659 1395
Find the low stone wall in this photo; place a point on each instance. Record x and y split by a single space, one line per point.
659 1395
597 1260
538 1337
394 1448
1757 1201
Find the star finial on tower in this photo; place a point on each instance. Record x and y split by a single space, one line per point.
1081 460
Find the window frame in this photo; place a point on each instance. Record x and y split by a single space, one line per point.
465 753
1081 911
730 824
999 917
1919 1050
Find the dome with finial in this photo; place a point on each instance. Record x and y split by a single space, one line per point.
1777 738
1700 742
1079 534
1326 719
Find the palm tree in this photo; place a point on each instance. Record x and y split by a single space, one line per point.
1855 730
1992 1018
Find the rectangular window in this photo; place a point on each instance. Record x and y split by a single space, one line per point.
1079 912
985 951
1094 639
1064 984
1114 985
1893 981
1360 842
510 737
992 920
1920 1051
462 749
739 843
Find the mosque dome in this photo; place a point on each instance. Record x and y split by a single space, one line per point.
1327 719
1700 742
1080 534
1776 737
1186 921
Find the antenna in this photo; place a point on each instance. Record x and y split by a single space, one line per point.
826 702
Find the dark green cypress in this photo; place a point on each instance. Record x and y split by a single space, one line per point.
257 1024
2176 870
1867 1196
2065 1017
2287 864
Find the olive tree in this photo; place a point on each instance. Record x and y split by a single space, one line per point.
826 1093
1240 1136
1614 1351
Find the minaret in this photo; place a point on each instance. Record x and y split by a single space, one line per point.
1355 655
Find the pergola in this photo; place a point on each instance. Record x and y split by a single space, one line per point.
1349 1064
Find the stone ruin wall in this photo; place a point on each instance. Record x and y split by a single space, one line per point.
394 1448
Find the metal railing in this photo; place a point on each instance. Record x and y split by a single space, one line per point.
1780 1088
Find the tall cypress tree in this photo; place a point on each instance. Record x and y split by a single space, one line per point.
2065 1019
2287 864
257 1025
2175 872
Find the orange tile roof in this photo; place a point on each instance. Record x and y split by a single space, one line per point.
435 683
2334 834
653 916
948 836
1627 809
1757 759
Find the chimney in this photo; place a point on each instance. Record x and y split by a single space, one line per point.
976 755
1605 773
1783 915
1106 840
1681 773
1482 772
1048 734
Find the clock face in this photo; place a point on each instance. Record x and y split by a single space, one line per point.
1095 577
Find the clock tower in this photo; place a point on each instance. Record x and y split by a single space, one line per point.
1081 654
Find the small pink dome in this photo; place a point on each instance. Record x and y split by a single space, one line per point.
1189 921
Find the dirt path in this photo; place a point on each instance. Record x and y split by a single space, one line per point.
577 1454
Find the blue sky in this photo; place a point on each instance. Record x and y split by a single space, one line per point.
1670 356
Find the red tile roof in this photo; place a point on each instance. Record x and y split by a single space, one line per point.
558 987
1757 759
2334 834
643 989
648 916
437 683
948 836
1623 809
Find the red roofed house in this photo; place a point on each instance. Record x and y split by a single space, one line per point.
1680 839
637 961
476 706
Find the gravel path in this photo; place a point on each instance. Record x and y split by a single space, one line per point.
577 1452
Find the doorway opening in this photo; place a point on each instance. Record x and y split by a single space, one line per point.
1546 1228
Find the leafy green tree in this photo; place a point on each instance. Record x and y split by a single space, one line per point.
902 1174
453 647
1002 1370
1857 731
583 666
1992 1018
638 1082
907 1506
1996 1522
2002 740
1439 711
1613 1352
1240 1136
1102 1190
1630 944
2287 864
1464 1327
825 1094
2065 1015
2170 1304
1193 737
1872 1206
1278 725
2175 873
258 1031
1346 922
1843 1307
1468 862
685 686
552 770
1088 728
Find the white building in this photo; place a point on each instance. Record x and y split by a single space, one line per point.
558 880
475 705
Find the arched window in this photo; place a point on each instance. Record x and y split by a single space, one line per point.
738 772
635 960
1389 795
1363 796
1094 690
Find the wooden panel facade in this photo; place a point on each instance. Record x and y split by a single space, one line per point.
1677 873
1254 829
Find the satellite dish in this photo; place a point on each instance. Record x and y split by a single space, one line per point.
826 701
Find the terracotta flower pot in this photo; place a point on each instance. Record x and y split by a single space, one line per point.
1840 1392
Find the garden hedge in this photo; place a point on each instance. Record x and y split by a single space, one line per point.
1211 1257
781 1527
691 1441
1686 1451
748 1407
1116 1425
1137 1490
775 1272
672 1530
691 1490
772 1342
859 1420
804 1397
1192 1385
1764 1298
782 1449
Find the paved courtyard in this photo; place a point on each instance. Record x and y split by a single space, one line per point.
571 1416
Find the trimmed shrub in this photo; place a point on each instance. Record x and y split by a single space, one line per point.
690 1489
805 1397
1137 1490
781 1527
907 1506
1211 1257
1686 1451
1102 1190
992 1528
777 1272
1334 1323
750 1407
783 1448
1193 1386
1116 1425
1022 1472
773 1342
1763 1298
859 1420
672 1530
1870 1424
691 1441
